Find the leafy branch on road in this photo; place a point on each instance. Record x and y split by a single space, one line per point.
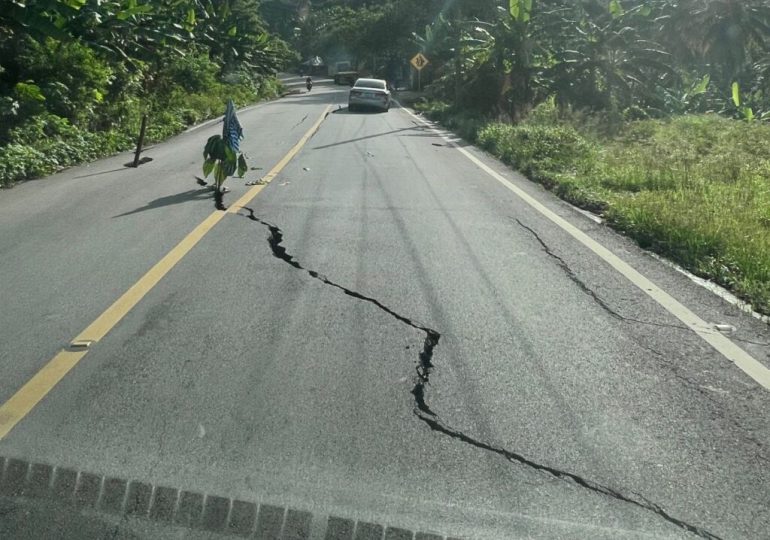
423 411
222 154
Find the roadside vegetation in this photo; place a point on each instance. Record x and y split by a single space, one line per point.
76 76
652 113
694 189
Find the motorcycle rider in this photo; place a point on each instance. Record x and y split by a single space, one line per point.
309 83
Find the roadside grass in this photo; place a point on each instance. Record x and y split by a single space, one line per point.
695 189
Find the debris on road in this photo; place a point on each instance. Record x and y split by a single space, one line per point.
725 328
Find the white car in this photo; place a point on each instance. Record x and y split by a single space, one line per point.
369 93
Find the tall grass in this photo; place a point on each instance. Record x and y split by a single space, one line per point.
696 189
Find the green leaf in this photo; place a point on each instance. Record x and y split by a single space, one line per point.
229 167
74 4
233 31
242 166
219 174
29 91
218 150
209 148
616 10
736 94
747 113
515 7
208 166
702 85
521 10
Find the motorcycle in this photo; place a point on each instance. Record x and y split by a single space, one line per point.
309 84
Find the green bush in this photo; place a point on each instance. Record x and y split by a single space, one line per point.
269 88
18 162
537 150
47 143
192 73
466 124
72 79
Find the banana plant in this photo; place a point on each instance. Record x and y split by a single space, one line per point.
222 155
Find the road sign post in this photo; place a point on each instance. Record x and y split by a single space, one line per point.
419 62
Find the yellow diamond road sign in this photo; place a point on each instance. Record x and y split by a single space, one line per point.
419 61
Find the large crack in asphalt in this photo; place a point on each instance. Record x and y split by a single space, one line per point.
573 276
423 411
677 373
586 289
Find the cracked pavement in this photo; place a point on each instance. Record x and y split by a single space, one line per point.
425 367
412 347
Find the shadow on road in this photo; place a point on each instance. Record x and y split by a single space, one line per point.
169 200
365 138
311 98
101 172
371 110
441 142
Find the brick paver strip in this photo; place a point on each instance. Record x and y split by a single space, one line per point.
243 518
297 525
12 483
113 496
368 531
38 481
138 503
87 490
340 529
163 504
215 511
270 522
190 509
393 533
118 496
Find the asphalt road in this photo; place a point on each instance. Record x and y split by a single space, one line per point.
385 333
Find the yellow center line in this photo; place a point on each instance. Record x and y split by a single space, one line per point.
34 390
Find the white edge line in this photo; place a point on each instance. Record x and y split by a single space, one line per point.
713 288
727 348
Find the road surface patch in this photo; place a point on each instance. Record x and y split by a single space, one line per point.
29 395
433 420
727 348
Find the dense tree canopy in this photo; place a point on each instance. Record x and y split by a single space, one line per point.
649 57
76 76
72 68
74 57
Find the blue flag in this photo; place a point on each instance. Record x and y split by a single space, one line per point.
232 132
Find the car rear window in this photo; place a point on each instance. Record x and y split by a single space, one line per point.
368 83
